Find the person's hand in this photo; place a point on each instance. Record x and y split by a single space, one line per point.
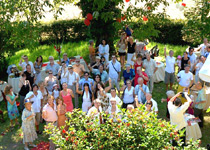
178 80
16 96
89 107
162 100
141 88
91 83
31 96
164 48
22 57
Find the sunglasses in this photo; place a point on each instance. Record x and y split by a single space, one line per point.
149 104
97 77
50 73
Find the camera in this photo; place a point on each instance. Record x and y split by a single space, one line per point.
182 94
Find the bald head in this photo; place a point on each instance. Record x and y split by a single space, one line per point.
140 80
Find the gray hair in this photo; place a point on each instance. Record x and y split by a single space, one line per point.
97 100
51 57
170 93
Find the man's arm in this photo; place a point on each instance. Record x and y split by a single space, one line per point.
165 52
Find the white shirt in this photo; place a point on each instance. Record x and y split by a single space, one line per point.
192 60
203 49
36 100
128 95
170 62
154 105
118 100
64 75
177 114
199 66
112 72
72 77
103 49
23 65
185 78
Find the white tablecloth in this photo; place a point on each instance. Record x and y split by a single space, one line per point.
160 73
193 131
14 82
44 74
2 86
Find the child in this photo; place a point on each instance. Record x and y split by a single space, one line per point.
169 94
11 105
55 92
179 58
28 125
61 110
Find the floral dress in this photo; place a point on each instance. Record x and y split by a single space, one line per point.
12 109
28 126
104 100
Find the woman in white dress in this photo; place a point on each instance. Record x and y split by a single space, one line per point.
104 50
87 97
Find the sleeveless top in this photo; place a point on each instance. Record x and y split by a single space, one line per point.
122 47
36 66
184 62
86 98
50 85
128 96
136 65
24 90
131 48
67 99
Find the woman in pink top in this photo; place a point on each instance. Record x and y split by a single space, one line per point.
67 95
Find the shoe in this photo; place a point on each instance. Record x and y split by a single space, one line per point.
32 145
26 148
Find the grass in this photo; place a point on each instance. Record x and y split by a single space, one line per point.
13 140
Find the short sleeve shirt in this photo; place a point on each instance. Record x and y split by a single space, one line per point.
170 62
185 78
149 66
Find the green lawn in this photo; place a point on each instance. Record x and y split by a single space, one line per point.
12 140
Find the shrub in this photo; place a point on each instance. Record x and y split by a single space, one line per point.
136 130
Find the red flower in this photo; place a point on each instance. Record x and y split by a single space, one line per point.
123 17
145 18
64 131
89 16
183 4
128 124
171 134
87 22
127 0
119 135
55 46
145 48
162 125
149 8
118 20
67 138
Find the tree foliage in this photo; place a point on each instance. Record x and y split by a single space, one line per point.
198 22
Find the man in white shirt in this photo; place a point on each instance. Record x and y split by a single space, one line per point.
193 59
185 79
154 103
72 79
35 96
114 95
114 72
177 111
150 67
170 69
25 63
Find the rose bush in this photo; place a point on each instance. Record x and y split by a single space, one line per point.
135 130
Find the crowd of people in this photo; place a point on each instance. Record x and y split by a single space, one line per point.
60 92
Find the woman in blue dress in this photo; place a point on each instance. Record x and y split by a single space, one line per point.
11 104
129 74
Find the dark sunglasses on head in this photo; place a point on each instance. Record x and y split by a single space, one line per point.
149 103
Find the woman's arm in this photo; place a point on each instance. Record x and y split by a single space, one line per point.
71 92
77 89
29 84
10 101
58 110
20 83
109 87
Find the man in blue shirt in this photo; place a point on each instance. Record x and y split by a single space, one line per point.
65 59
200 103
52 66
86 79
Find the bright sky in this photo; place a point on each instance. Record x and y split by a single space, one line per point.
71 11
